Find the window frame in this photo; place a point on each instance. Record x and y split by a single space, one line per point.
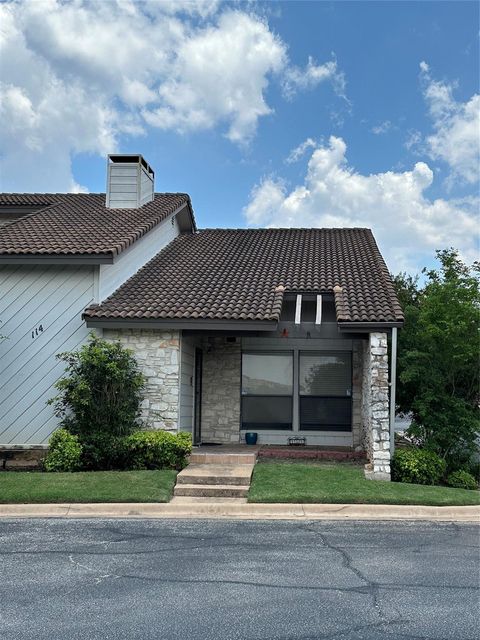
332 427
274 426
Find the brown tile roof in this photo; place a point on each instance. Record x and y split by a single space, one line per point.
79 223
234 274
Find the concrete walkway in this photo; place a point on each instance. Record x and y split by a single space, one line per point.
232 510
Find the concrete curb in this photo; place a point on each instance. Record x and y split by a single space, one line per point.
244 511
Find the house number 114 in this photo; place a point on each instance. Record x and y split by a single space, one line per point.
37 331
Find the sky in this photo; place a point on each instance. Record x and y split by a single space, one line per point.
277 114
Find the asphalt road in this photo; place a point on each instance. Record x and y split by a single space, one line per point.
222 580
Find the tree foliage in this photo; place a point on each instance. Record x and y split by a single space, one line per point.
438 358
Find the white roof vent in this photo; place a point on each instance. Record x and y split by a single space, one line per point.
130 182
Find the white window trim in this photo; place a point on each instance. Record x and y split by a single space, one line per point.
318 317
298 309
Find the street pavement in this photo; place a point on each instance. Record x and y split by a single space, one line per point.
238 580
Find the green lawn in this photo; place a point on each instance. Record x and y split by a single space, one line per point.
88 486
343 483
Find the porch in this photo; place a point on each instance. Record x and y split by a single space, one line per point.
281 388
318 385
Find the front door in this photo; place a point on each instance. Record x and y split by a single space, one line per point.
197 408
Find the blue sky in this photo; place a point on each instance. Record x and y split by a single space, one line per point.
268 114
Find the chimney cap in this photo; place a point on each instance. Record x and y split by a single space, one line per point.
131 158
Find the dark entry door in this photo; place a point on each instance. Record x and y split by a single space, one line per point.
197 404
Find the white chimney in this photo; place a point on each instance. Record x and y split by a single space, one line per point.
130 182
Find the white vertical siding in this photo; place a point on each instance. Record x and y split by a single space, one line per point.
53 297
123 187
130 261
187 373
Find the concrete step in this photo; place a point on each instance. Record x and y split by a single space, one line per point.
211 490
192 500
216 474
222 458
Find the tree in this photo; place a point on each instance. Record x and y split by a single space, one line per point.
439 356
409 295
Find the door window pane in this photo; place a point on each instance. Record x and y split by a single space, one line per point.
267 374
325 374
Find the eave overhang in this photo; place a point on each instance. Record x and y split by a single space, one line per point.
178 323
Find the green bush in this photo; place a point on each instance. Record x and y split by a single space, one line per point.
417 466
462 480
101 451
156 450
99 399
64 452
101 391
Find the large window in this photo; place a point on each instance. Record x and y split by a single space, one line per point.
267 390
325 390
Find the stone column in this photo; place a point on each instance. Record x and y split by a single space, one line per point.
375 407
157 354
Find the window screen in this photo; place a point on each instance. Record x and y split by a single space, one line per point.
267 374
266 412
325 414
325 388
325 374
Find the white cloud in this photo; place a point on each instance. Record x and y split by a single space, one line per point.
414 140
407 224
456 137
75 76
297 79
213 81
298 152
383 127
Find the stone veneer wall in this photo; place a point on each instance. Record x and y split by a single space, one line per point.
376 433
158 355
221 390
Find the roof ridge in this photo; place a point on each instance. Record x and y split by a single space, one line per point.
81 194
265 229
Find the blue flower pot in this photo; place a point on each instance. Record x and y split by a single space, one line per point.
251 437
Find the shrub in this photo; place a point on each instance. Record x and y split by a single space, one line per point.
462 480
417 466
64 452
156 450
101 451
101 391
99 399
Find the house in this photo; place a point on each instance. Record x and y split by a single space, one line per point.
278 331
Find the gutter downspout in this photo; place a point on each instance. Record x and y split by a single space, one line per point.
393 385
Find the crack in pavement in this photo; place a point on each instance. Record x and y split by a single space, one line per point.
98 579
373 588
